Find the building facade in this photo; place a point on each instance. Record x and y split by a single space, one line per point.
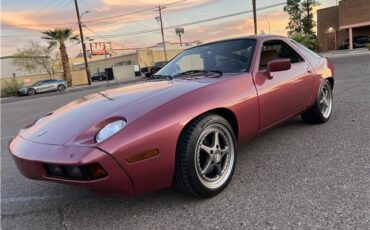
349 19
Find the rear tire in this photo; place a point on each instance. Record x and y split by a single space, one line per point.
31 92
321 111
205 157
61 87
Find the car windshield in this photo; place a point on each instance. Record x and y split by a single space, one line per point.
37 83
233 56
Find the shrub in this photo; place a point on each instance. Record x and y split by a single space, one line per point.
10 88
309 41
368 46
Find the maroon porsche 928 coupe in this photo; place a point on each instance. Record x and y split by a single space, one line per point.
182 127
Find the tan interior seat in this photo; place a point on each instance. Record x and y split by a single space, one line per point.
267 56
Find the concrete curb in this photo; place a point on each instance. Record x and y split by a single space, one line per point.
341 53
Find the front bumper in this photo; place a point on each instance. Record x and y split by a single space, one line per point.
22 92
30 158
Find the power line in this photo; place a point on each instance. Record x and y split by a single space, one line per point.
92 31
131 13
51 9
194 22
94 20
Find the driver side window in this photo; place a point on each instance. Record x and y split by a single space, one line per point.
276 49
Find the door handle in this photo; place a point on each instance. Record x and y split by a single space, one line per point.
309 70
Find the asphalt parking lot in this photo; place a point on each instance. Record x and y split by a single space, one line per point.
296 176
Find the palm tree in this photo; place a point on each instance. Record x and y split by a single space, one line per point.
179 31
61 36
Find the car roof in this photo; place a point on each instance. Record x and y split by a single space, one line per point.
255 37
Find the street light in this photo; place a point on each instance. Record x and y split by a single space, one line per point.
332 30
268 23
86 12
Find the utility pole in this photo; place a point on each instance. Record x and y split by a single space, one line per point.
161 22
83 43
254 16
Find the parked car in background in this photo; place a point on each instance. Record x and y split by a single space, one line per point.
146 71
358 42
43 86
101 76
182 127
158 66
150 71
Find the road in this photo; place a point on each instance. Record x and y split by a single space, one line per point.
296 176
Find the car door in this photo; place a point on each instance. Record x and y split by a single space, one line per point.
285 93
40 87
49 85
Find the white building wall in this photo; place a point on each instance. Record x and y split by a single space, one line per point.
8 69
124 73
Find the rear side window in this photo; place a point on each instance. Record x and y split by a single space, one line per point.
307 50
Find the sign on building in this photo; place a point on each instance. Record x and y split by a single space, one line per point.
101 48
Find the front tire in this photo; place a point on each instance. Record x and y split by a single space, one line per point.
61 88
321 111
31 92
205 157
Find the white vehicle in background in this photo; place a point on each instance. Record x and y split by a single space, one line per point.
43 86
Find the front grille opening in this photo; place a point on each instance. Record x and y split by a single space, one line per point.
72 172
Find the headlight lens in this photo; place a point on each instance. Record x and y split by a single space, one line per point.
109 130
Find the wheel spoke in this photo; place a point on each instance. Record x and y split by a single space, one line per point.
224 151
217 140
208 167
206 149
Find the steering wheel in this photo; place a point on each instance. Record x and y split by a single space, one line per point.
233 66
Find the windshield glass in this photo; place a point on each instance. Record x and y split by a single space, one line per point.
36 83
232 56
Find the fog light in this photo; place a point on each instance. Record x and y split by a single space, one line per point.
96 171
73 171
55 170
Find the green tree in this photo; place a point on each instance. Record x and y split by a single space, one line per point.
293 8
308 22
37 59
61 36
179 32
307 40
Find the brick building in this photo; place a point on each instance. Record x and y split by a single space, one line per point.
351 18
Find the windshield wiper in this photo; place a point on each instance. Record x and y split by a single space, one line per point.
155 77
192 72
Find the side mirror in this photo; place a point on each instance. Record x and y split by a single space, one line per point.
277 66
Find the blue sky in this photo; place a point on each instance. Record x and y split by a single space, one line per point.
23 20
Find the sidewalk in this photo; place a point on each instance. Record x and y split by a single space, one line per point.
96 85
343 53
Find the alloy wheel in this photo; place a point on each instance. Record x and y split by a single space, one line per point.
326 100
215 156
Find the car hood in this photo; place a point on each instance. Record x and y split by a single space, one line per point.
129 102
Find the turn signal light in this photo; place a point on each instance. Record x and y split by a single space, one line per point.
142 156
